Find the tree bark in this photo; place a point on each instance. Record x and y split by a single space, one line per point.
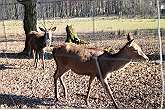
30 19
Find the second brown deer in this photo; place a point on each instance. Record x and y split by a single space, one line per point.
38 41
94 63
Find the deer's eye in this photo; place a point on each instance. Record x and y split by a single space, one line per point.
135 51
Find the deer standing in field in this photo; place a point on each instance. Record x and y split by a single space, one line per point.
37 43
94 63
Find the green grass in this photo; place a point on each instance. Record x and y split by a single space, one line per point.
86 24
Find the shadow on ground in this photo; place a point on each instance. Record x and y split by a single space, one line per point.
154 57
7 66
19 101
21 56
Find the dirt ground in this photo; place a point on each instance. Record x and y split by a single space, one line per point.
22 86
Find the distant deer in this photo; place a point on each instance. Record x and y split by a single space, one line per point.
94 63
38 41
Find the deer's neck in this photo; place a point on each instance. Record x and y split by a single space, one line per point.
121 56
121 60
113 62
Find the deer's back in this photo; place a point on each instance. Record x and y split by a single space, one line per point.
76 57
76 51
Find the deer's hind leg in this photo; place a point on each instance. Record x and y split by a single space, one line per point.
58 73
89 88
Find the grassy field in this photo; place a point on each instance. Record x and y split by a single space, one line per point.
85 25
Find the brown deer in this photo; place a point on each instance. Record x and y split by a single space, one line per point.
37 43
94 63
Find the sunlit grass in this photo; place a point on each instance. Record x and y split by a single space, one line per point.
85 24
104 24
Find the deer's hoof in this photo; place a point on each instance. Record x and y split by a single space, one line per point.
56 100
86 101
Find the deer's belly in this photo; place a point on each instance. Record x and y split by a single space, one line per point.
83 68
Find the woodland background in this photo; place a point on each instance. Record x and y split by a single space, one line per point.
83 8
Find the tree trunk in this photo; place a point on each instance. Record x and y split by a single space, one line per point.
30 19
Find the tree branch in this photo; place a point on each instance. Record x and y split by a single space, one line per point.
21 2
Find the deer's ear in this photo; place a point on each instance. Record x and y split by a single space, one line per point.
130 43
53 29
129 36
42 29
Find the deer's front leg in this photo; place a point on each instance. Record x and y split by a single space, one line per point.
33 53
29 52
43 58
36 57
109 91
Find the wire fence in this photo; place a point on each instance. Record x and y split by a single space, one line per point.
102 23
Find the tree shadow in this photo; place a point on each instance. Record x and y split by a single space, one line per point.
84 96
13 55
11 40
21 55
155 56
19 101
7 66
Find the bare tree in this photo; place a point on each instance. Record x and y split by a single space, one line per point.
30 19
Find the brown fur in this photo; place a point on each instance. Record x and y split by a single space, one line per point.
36 34
33 35
83 52
70 56
34 40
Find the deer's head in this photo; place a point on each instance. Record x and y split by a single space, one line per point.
48 35
133 50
